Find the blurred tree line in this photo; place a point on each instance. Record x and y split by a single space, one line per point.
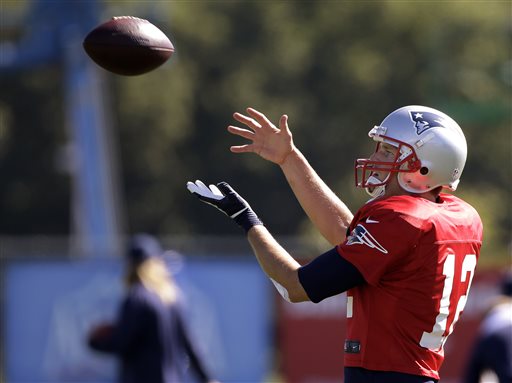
335 67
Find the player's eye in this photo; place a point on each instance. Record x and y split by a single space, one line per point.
389 151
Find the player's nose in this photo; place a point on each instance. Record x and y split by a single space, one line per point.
375 156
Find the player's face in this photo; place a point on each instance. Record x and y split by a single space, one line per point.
384 153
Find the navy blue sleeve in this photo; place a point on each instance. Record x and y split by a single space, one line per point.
328 275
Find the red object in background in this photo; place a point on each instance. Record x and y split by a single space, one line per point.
311 336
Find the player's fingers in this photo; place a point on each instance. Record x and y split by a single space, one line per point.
197 187
202 188
260 117
242 149
191 187
283 124
241 132
225 188
250 122
216 192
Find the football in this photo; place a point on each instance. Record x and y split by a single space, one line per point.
128 46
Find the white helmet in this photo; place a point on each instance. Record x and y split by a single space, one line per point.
431 152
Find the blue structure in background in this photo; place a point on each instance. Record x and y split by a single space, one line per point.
50 305
47 320
55 34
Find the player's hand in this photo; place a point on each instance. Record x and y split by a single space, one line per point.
227 200
269 142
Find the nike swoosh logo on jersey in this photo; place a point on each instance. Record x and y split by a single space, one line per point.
369 220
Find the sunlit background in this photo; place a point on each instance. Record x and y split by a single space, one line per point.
88 158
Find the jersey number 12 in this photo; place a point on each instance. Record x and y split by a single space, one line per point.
435 339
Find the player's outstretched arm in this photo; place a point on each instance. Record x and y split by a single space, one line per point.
327 212
276 262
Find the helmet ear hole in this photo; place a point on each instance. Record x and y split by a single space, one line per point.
424 170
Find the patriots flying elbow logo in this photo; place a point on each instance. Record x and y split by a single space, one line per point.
362 236
426 120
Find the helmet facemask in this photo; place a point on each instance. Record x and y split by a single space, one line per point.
405 161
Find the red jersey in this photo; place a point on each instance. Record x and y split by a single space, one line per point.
418 258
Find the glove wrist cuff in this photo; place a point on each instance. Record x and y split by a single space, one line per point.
247 220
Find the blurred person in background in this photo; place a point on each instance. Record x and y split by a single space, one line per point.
150 336
407 257
491 358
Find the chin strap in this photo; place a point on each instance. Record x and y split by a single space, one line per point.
375 191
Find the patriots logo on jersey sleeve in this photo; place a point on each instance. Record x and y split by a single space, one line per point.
427 120
362 236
